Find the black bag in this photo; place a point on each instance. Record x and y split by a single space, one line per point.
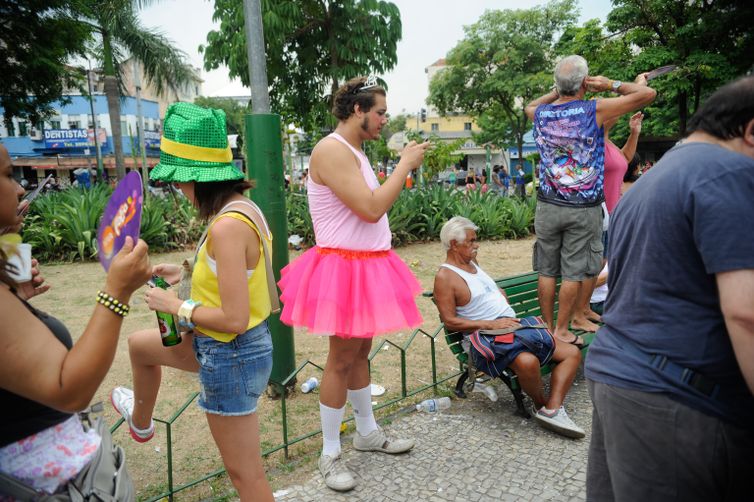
104 479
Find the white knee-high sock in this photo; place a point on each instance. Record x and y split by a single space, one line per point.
331 419
361 401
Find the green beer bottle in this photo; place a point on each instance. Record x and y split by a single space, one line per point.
168 329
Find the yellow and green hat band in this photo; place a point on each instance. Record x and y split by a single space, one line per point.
198 153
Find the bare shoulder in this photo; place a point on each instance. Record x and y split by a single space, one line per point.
444 279
331 150
331 153
229 229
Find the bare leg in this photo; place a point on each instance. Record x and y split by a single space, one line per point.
343 355
569 291
237 438
582 314
526 366
568 358
546 296
358 377
147 355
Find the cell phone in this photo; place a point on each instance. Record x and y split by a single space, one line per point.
33 195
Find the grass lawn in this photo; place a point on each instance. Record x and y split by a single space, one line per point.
72 299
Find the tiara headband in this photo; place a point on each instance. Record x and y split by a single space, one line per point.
369 83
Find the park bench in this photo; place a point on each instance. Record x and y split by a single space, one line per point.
522 296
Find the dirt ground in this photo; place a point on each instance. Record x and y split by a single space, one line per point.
71 298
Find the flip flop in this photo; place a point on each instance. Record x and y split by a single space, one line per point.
577 341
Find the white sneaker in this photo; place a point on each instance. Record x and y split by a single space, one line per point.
337 475
559 422
123 402
377 440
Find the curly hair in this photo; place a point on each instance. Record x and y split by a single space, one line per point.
352 93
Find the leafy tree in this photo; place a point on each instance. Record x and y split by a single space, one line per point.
234 113
394 125
306 144
503 62
312 46
38 38
120 34
440 155
377 151
711 42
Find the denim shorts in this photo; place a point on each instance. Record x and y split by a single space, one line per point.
232 375
536 342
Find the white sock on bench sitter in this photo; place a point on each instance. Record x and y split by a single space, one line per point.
361 401
331 419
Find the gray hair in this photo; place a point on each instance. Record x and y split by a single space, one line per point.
570 73
455 230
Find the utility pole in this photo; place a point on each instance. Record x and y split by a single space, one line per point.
100 168
140 130
264 163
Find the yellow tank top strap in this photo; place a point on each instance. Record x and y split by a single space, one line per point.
240 217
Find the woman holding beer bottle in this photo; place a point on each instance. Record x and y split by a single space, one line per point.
229 344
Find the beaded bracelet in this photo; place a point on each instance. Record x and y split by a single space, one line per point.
111 303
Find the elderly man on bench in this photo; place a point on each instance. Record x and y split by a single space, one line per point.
469 301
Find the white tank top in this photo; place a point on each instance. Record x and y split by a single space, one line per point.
487 302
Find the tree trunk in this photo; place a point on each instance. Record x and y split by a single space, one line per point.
112 93
697 92
682 112
113 109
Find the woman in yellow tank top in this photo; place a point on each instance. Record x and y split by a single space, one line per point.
230 344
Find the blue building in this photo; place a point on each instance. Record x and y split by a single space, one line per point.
65 141
529 147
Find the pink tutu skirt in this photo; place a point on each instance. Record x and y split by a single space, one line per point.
350 294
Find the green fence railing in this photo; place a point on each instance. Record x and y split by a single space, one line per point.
287 441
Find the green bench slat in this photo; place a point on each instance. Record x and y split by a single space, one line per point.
519 288
516 280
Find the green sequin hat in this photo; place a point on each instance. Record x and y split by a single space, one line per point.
194 146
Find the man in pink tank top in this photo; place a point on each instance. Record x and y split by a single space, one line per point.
469 300
330 289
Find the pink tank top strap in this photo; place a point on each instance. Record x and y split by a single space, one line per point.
359 155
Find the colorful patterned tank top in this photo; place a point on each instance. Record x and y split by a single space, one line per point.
572 150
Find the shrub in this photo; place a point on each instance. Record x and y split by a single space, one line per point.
418 215
63 225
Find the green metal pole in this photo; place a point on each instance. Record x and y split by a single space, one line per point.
264 161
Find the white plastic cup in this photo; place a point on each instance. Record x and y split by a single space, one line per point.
309 385
488 390
21 262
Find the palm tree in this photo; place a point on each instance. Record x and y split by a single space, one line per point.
120 35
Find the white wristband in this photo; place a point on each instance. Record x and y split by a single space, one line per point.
186 311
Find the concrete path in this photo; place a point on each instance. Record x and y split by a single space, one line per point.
476 451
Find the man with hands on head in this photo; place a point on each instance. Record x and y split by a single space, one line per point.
568 131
